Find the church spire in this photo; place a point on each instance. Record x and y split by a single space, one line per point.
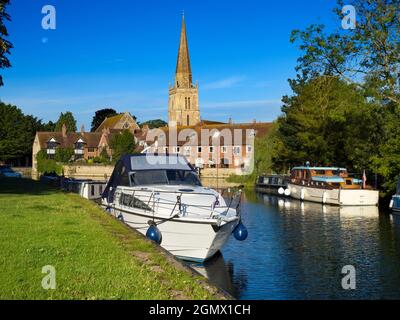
183 77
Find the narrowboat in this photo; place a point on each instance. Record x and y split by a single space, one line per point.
272 184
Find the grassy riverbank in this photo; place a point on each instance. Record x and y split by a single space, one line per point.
94 255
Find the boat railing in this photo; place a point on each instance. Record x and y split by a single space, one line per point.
146 200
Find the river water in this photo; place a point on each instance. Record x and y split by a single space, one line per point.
297 250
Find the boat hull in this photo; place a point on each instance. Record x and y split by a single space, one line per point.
185 239
340 197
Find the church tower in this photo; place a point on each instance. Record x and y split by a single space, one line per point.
183 102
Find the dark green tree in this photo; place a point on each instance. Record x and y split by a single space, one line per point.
5 45
327 122
68 119
99 117
157 123
17 133
123 143
49 126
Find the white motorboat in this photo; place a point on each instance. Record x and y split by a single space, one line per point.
162 197
330 185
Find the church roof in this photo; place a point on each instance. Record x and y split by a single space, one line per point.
110 122
183 63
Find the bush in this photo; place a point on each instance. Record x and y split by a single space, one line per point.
45 165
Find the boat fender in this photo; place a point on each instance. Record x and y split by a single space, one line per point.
281 191
120 217
391 204
287 192
240 233
302 194
154 234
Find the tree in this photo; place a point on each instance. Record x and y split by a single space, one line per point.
17 133
123 143
63 155
327 122
68 119
5 45
157 123
368 56
49 126
99 117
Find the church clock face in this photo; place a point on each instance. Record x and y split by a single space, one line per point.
126 125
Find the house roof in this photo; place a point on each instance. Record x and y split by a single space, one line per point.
91 139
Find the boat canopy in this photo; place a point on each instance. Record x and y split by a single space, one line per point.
142 162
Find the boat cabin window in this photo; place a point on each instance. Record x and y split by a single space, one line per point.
171 177
349 182
320 172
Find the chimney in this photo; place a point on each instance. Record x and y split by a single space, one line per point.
64 130
82 129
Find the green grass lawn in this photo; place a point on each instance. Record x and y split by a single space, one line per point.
95 256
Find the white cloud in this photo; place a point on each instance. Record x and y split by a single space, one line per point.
224 83
240 103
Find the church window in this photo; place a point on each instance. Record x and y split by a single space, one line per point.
187 119
188 103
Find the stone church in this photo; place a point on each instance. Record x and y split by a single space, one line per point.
183 103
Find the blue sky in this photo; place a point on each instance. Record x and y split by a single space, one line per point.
122 54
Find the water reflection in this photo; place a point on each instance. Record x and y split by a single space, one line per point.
296 250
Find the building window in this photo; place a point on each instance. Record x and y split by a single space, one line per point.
91 150
187 149
224 149
188 103
237 150
211 149
176 149
199 149
249 149
187 119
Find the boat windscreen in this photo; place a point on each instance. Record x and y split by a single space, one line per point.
171 177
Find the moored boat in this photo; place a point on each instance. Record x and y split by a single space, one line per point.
272 184
395 201
330 185
162 197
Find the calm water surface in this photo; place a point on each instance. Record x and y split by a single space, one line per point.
297 251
